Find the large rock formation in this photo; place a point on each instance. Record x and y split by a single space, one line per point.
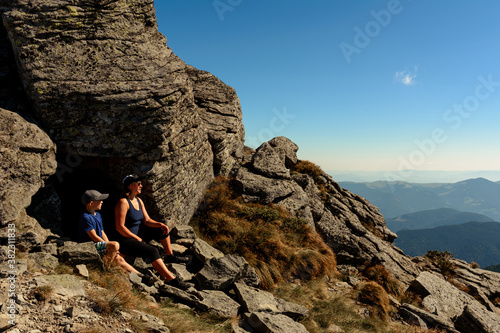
27 158
104 85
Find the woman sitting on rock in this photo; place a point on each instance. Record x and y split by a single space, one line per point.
137 229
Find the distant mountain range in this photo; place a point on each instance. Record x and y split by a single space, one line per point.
455 217
433 218
472 241
413 176
393 199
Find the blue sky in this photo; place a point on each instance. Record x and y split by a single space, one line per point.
357 85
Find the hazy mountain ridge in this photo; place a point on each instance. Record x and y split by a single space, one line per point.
471 241
397 198
432 218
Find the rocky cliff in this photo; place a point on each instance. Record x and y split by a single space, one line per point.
92 88
102 82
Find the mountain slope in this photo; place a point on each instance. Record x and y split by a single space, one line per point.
433 218
472 241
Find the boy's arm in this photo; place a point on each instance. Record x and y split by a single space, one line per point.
93 235
104 236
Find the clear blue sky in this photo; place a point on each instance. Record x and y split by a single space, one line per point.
358 85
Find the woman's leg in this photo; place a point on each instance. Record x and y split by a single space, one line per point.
160 267
148 233
133 247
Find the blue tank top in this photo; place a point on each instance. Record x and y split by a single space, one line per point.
134 217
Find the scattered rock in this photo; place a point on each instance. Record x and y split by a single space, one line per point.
79 253
63 285
204 252
82 271
256 300
43 260
273 323
184 231
220 273
217 302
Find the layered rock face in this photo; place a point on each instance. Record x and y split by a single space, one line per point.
104 84
27 158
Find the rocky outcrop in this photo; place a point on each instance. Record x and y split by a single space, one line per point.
105 86
350 225
450 308
27 159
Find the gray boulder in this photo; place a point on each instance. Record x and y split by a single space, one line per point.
453 306
286 149
64 284
217 302
267 161
41 260
184 231
28 158
221 273
257 188
256 300
79 253
273 323
204 251
475 319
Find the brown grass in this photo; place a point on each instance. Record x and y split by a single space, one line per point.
383 277
43 293
412 298
373 294
277 245
118 295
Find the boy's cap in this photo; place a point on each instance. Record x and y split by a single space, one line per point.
131 179
93 195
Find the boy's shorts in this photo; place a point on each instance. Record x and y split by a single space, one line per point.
101 248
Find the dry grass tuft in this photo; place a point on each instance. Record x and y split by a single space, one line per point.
373 294
43 293
277 245
118 296
308 168
412 298
383 277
